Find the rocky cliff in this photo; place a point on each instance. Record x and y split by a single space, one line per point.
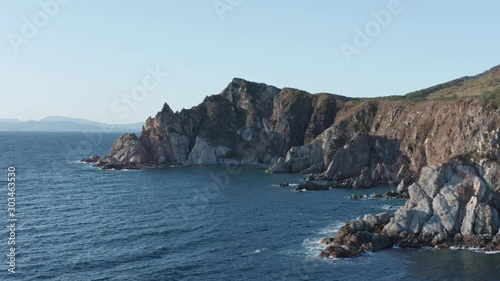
455 204
358 142
246 123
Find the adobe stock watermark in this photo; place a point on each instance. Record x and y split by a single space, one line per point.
222 7
363 37
32 26
122 107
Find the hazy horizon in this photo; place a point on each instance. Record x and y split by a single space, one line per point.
84 59
65 117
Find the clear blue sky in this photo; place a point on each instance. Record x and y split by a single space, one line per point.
92 52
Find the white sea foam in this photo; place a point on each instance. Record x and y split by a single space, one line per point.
475 249
492 252
259 250
289 184
313 246
428 248
332 229
129 170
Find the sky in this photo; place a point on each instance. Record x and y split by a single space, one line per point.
118 61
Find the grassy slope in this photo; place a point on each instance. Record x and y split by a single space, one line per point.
485 85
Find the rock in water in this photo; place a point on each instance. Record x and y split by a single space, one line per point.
453 204
91 159
126 154
312 186
358 235
450 199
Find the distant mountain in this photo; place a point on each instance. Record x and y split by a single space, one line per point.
10 121
65 124
74 120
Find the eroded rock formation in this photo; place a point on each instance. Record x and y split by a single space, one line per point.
454 204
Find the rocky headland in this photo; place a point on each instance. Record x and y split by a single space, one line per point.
439 146
366 142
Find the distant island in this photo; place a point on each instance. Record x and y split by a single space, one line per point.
440 146
65 124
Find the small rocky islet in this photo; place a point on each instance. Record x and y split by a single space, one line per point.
440 146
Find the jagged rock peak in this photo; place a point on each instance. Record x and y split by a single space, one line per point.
166 108
243 82
241 88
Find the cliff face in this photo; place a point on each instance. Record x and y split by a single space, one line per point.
405 137
362 141
246 123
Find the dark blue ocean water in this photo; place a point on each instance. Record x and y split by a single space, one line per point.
76 222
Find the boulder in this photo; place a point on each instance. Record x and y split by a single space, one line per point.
312 186
357 236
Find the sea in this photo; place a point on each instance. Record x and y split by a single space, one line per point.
74 221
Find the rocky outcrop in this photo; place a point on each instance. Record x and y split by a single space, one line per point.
312 186
127 154
246 123
91 159
357 236
454 204
355 143
457 199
